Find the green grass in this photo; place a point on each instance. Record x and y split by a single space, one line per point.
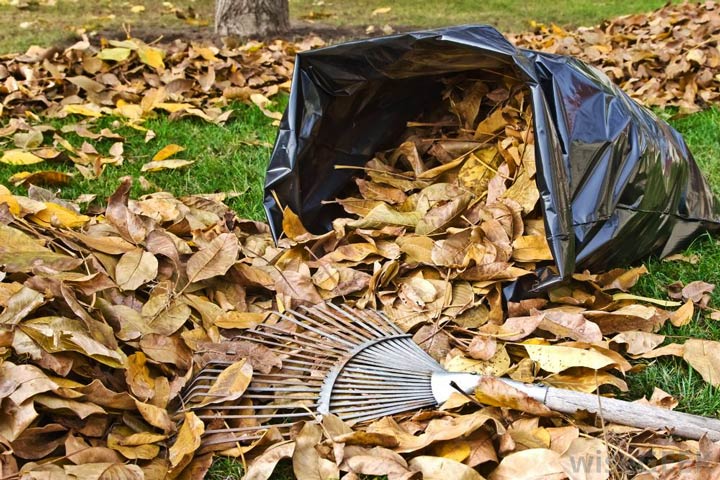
672 374
224 163
507 15
225 468
702 133
47 22
225 160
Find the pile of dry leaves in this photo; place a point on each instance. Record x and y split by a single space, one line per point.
668 57
106 316
132 81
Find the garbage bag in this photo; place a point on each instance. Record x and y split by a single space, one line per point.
616 182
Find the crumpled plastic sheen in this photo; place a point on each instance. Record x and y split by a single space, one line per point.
617 183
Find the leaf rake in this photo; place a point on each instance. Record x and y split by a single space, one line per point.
358 365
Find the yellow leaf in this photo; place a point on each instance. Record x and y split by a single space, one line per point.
115 54
87 110
188 440
11 203
165 165
584 380
137 8
59 216
168 151
230 384
683 315
497 393
129 110
531 248
556 358
457 450
498 364
478 169
380 11
235 319
293 227
524 191
628 296
173 107
19 157
155 416
151 56
46 177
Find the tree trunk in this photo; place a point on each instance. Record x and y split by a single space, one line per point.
246 18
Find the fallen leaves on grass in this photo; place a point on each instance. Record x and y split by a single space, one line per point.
667 57
132 81
107 315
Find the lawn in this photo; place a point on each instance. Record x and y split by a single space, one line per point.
233 157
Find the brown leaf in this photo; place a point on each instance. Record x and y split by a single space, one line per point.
438 468
639 342
584 380
446 428
683 315
262 467
186 443
100 471
696 291
495 392
20 305
39 442
530 464
135 268
158 417
570 325
307 462
213 260
380 462
704 357
130 226
230 384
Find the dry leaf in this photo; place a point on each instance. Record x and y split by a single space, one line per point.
704 356
19 157
498 393
159 165
555 358
135 268
230 384
307 462
186 442
213 260
438 468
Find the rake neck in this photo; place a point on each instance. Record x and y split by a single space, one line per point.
323 405
441 388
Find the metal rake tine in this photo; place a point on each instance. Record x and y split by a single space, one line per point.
324 336
331 317
264 341
309 343
350 315
322 329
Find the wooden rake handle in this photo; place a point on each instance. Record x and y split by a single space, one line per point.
619 411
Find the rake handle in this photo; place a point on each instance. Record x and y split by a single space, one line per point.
625 413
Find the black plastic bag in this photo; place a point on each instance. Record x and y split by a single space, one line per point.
617 184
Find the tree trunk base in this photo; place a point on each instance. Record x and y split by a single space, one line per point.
247 18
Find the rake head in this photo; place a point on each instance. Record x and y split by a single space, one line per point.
355 364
